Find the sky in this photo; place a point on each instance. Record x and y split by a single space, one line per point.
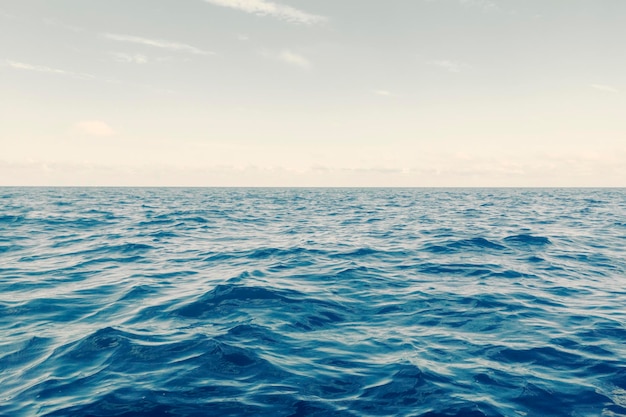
391 93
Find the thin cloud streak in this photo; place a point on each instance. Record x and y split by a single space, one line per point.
49 70
450 66
384 93
43 69
54 22
174 46
129 59
604 87
294 59
482 4
267 8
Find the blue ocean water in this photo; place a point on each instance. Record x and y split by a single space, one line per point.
312 302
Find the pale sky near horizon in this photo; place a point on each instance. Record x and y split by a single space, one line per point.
313 92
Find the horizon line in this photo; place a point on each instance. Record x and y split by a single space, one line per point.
324 186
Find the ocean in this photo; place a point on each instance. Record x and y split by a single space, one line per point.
312 302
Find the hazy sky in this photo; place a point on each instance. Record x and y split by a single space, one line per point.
313 92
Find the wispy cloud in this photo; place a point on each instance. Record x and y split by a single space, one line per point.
49 70
129 59
6 15
55 71
450 66
483 4
268 8
54 22
604 87
294 59
94 128
174 46
384 93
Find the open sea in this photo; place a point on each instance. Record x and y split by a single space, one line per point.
312 302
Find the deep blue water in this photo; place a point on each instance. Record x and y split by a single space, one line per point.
312 302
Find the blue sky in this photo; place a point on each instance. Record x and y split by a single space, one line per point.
313 93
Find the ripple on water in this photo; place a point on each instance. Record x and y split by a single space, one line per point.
312 302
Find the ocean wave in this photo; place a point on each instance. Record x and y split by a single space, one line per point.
312 302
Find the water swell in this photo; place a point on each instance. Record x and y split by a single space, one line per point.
152 302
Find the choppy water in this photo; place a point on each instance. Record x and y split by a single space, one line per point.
312 302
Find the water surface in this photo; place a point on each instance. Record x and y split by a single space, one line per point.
312 302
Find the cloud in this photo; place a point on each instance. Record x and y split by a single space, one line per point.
603 87
94 128
54 22
129 59
40 68
384 93
174 46
450 66
268 8
482 4
294 59
7 16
